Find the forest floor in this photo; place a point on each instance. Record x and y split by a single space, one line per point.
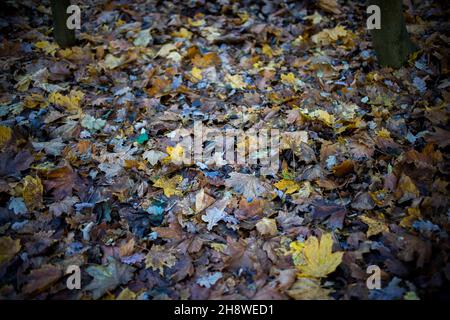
95 171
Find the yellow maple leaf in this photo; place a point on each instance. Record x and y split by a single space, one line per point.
376 226
71 102
175 154
319 260
236 81
287 186
169 185
32 192
5 135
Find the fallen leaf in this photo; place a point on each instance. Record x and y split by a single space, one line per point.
153 156
309 289
319 260
63 206
209 280
158 258
202 200
287 186
176 154
32 192
376 226
126 294
329 36
330 6
71 102
406 189
17 205
235 81
267 227
246 184
40 279
5 135
108 277
8 249
169 185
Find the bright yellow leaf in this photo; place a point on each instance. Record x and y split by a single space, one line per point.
71 102
319 260
169 185
176 154
287 186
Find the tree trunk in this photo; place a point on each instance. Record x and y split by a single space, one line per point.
391 43
63 35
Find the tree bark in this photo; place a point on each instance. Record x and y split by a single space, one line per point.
391 43
63 35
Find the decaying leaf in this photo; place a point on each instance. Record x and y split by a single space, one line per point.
8 249
32 192
40 279
247 185
158 258
309 289
108 277
267 227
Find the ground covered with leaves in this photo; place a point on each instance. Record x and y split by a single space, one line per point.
92 173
